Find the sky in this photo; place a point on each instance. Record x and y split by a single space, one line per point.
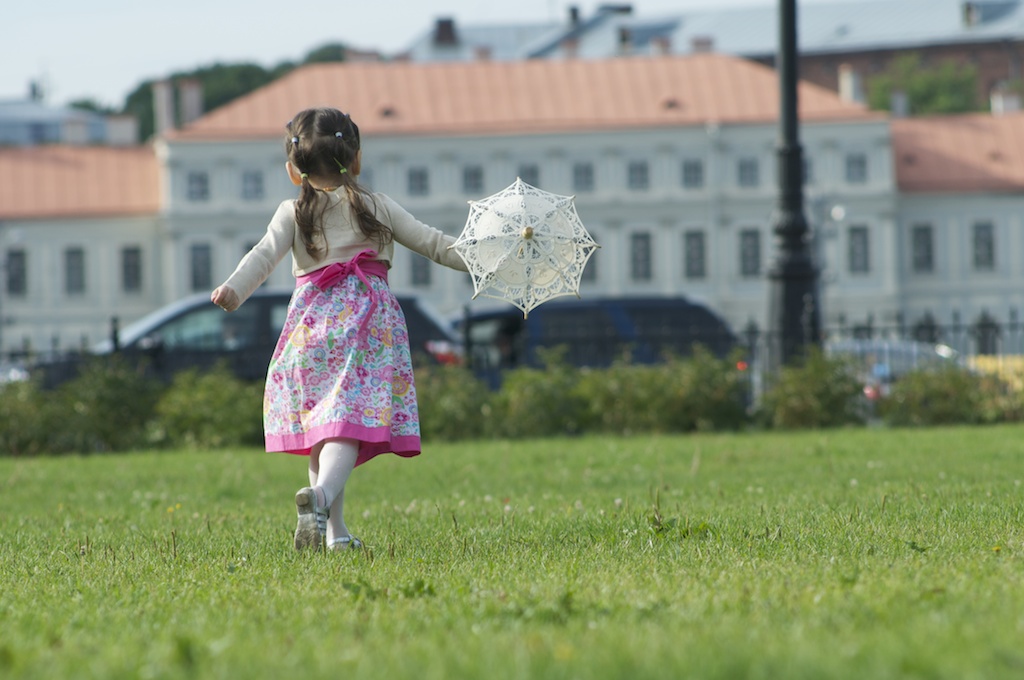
104 49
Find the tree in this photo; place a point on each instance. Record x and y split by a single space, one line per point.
222 83
91 105
326 53
946 88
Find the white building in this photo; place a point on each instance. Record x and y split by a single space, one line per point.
81 237
671 159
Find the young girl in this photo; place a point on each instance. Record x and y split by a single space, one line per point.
340 385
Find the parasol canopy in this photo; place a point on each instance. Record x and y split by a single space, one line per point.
525 245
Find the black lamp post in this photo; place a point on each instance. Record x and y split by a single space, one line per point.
794 315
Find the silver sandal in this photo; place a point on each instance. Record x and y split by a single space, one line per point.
311 528
345 543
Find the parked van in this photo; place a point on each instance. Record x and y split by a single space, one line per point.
594 332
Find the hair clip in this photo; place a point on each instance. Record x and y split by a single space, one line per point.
303 175
341 168
338 135
295 140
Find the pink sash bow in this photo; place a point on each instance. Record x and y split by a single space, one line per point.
361 265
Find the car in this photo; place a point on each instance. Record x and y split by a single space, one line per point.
195 333
881 362
594 332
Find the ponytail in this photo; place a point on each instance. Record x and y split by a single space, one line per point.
310 207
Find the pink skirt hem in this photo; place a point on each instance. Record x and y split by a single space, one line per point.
373 441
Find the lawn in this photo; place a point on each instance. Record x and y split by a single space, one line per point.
866 554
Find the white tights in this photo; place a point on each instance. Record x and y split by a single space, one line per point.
330 464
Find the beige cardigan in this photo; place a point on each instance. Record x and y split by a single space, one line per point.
344 241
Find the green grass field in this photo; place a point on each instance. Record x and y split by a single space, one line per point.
865 554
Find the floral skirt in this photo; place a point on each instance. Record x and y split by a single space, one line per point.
342 368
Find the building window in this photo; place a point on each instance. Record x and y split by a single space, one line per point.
859 253
473 179
693 173
17 272
198 187
984 247
74 271
922 246
252 185
856 168
420 271
530 173
583 177
640 257
638 176
131 269
750 253
419 182
201 260
694 254
748 173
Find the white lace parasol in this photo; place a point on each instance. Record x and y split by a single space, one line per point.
525 245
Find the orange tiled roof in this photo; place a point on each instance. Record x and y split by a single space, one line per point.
522 96
78 181
974 153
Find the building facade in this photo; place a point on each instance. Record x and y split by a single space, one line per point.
675 179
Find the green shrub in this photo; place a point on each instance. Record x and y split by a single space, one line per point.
950 396
105 408
679 395
819 392
453 403
540 402
28 419
709 393
624 399
209 409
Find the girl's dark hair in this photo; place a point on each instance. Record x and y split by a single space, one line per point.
322 144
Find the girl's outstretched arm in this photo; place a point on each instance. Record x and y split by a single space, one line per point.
226 298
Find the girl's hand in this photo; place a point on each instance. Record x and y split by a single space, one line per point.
225 298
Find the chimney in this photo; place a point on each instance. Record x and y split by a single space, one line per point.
163 107
35 91
972 14
1003 101
122 130
625 40
444 33
190 99
899 104
574 15
75 131
850 87
571 47
700 44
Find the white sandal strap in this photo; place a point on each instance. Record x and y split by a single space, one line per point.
350 541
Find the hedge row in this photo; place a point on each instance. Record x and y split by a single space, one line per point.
112 407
